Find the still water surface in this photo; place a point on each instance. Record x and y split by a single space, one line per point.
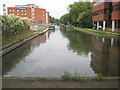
53 53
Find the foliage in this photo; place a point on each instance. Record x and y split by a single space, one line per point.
65 19
68 76
14 26
99 77
69 27
54 20
98 32
80 14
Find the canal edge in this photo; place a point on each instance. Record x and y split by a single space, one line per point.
19 43
55 78
93 34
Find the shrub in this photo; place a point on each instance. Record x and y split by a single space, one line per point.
12 25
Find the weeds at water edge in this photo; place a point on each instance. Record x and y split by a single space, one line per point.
69 77
99 77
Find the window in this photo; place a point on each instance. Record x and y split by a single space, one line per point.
4 9
9 10
13 10
25 13
17 10
4 5
25 10
22 10
107 11
17 13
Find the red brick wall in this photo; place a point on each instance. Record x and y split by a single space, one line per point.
101 17
101 7
40 14
48 17
19 13
116 15
115 2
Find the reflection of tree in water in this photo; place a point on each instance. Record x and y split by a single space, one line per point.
78 42
10 60
104 58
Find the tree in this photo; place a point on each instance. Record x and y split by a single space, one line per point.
80 14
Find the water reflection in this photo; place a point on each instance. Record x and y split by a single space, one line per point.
78 42
105 52
105 56
50 54
20 54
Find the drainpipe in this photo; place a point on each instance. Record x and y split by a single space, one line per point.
104 22
113 26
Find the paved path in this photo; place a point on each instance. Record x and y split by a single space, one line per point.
37 83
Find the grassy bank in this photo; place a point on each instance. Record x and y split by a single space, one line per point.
97 32
41 30
14 29
8 40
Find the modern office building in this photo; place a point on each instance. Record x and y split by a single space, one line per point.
31 11
106 15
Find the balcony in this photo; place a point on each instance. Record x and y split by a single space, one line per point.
116 15
115 2
101 17
102 6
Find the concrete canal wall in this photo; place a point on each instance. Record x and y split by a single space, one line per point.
19 43
59 83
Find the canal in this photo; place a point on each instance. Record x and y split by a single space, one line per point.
54 52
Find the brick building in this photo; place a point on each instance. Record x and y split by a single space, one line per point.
31 11
106 15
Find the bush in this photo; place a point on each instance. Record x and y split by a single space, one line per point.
12 25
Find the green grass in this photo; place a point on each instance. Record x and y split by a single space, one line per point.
69 77
41 30
98 32
8 40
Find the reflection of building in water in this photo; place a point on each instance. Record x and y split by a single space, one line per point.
105 56
42 38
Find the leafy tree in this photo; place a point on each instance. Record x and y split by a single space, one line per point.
80 14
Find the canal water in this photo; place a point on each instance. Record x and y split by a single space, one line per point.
53 53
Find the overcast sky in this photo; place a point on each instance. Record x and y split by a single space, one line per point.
56 7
